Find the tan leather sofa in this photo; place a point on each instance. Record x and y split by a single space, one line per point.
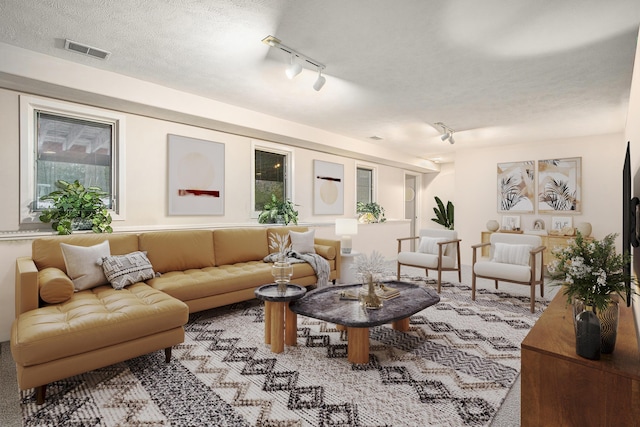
199 269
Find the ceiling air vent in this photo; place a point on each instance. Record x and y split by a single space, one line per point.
85 49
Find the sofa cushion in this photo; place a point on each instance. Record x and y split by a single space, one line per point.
54 285
46 251
124 270
303 242
178 250
512 254
429 245
234 245
93 319
327 252
82 264
512 272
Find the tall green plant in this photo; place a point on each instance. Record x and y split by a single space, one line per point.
74 202
276 209
444 216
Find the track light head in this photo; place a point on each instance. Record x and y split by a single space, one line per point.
320 81
447 133
445 136
451 140
294 69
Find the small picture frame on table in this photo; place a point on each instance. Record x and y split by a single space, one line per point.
510 223
560 222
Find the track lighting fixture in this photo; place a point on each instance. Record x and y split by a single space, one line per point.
447 133
320 81
294 69
295 66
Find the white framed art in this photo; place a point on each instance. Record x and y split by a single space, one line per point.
328 188
196 176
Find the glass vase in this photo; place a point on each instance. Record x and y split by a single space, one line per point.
282 272
588 335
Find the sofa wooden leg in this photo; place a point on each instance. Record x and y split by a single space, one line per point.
167 354
41 391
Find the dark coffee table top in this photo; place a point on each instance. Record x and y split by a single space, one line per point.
325 304
270 292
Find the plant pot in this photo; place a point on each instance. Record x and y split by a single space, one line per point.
588 335
608 320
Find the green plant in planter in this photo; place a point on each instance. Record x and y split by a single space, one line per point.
370 212
444 216
276 209
75 204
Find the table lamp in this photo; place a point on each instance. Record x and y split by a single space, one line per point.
346 228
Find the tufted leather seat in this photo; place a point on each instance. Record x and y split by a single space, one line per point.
93 319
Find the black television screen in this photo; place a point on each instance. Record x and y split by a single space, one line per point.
629 214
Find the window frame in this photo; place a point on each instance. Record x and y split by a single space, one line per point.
271 147
29 106
374 183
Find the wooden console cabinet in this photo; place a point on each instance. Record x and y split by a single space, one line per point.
560 388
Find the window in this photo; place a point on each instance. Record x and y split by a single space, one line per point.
68 142
271 171
364 184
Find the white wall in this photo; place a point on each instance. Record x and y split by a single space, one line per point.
476 188
146 177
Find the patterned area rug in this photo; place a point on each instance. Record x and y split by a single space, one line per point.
453 368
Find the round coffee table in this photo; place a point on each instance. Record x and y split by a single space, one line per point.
280 323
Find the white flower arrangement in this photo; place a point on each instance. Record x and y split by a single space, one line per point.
372 265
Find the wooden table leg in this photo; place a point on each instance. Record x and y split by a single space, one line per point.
358 345
277 327
267 322
401 325
290 326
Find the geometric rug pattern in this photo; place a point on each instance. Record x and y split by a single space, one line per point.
453 367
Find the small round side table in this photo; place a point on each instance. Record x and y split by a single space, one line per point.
280 323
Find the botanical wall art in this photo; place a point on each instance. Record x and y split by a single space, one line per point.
559 185
516 182
328 188
196 176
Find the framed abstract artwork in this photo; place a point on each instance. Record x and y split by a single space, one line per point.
559 185
328 188
516 187
196 176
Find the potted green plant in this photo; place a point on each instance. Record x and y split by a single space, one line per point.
76 207
370 212
278 211
444 216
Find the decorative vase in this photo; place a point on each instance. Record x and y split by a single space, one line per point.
282 271
608 319
493 225
584 228
608 327
588 335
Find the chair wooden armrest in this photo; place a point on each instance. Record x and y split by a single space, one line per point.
480 245
538 250
401 239
450 241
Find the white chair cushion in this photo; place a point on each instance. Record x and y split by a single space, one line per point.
419 259
512 254
517 273
429 245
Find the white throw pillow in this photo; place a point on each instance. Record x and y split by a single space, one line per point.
512 254
303 242
82 264
429 245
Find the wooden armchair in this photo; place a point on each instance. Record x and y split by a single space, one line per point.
437 250
514 258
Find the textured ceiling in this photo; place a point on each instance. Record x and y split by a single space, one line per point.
496 71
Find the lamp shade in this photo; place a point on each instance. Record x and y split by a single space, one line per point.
346 227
